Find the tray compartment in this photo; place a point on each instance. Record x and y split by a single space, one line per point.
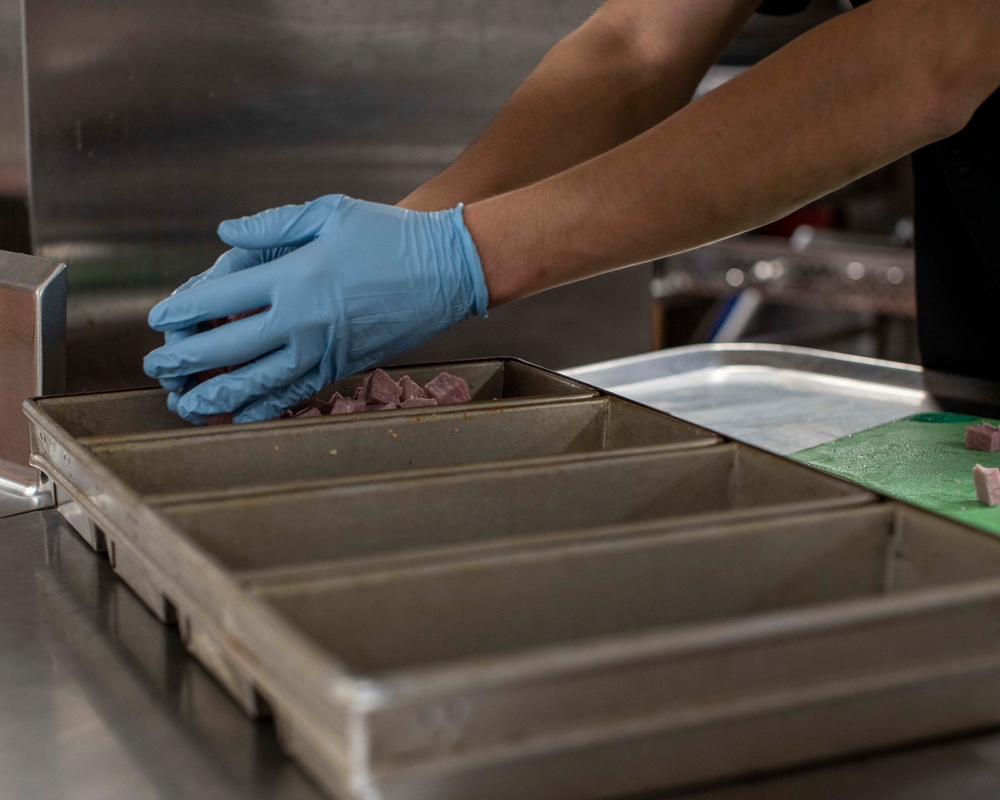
369 444
144 411
576 591
377 519
669 646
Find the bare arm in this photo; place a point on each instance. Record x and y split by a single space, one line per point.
842 100
630 66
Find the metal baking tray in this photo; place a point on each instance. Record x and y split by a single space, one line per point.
316 452
677 598
595 668
363 521
137 412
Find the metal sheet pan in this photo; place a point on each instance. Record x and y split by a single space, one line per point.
246 458
276 529
783 399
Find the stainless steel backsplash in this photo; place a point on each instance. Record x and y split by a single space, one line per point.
152 120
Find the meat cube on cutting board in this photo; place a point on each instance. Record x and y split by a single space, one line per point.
984 437
987 481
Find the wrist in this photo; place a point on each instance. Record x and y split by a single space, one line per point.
477 286
494 251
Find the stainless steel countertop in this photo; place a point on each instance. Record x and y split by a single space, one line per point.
99 700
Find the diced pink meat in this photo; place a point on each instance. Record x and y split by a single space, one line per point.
987 480
409 389
983 437
448 389
380 389
379 392
345 405
418 402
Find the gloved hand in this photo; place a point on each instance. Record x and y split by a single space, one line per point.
349 284
229 262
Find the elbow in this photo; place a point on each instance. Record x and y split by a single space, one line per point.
933 63
935 105
943 113
959 67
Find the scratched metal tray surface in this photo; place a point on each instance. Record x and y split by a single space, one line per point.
553 592
783 399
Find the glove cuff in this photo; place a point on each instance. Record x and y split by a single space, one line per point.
481 295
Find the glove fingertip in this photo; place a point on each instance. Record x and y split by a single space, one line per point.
231 231
156 314
173 384
252 415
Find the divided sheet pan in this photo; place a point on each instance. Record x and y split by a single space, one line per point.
550 592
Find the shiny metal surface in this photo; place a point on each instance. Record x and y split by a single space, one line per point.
32 356
68 722
248 460
153 121
780 398
99 700
143 413
814 627
13 134
386 516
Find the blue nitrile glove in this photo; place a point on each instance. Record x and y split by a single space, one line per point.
349 284
229 262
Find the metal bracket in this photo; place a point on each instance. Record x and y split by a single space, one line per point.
32 363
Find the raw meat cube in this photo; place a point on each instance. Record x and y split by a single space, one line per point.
987 481
345 405
325 407
418 402
308 411
410 389
380 389
448 389
983 437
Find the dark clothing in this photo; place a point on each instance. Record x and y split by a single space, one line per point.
782 6
957 230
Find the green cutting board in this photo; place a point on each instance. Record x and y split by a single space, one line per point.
920 459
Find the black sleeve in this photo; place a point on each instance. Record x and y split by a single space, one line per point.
782 7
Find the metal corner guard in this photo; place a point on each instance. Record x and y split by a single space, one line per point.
32 363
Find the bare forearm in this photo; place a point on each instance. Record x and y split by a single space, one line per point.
623 71
837 103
